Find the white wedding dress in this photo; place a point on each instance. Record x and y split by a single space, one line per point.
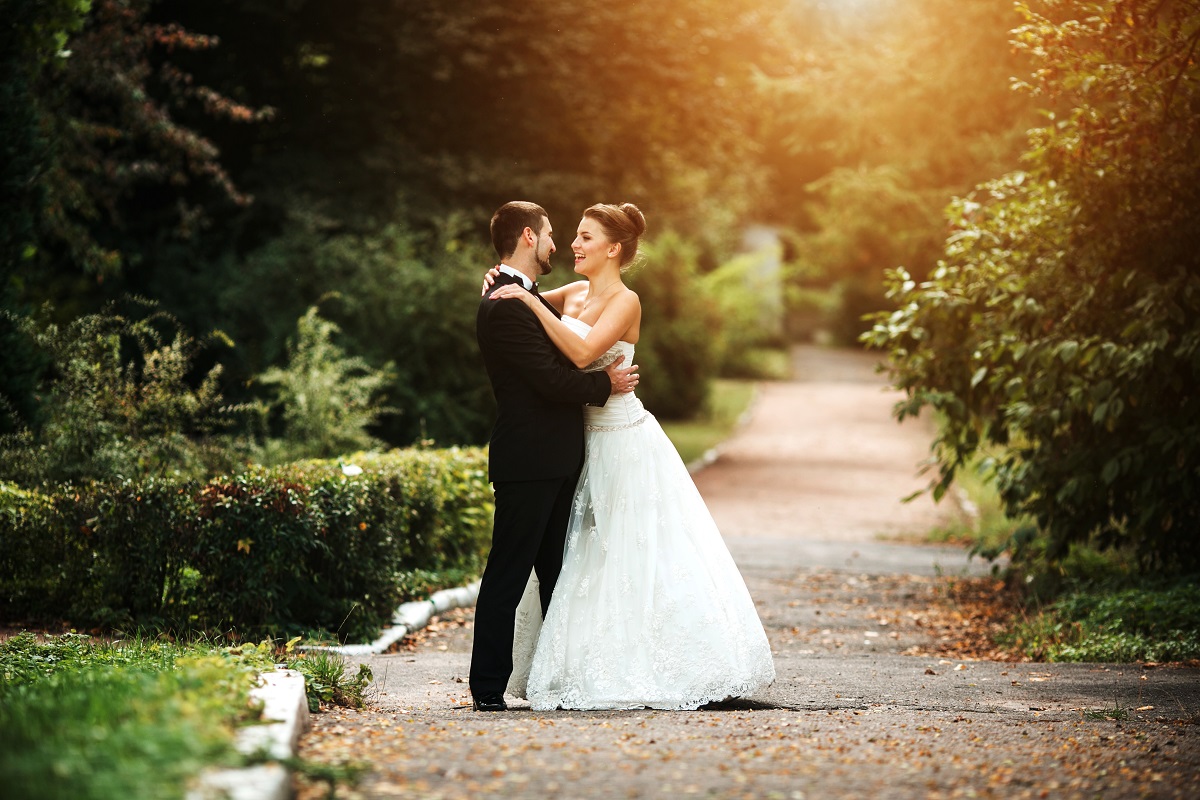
650 610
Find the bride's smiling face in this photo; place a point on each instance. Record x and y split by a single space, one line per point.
591 247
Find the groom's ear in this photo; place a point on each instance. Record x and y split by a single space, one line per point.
529 236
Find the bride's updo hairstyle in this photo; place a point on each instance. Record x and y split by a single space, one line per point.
622 224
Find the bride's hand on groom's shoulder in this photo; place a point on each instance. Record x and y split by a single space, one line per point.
489 279
513 290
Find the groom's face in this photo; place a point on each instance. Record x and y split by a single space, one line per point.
544 248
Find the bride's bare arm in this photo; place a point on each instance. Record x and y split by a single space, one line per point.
618 317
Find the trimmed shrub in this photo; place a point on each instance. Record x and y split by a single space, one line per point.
35 575
270 552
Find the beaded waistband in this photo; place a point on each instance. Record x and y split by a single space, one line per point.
608 428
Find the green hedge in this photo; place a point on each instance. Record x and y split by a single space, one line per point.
301 548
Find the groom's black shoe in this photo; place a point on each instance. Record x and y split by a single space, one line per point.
489 701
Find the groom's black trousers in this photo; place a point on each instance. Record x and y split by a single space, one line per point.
529 532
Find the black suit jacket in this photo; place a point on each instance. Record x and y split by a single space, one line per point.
539 429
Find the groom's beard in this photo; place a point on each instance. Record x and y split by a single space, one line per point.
543 264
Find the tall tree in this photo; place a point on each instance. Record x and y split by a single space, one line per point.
97 166
32 42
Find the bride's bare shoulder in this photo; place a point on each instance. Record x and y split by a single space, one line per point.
630 297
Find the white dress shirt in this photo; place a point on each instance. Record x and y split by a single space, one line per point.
507 270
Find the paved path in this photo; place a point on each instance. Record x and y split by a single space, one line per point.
803 493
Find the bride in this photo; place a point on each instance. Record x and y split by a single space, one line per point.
649 611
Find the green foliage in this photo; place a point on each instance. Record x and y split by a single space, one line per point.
392 121
402 127
97 164
113 720
1147 623
418 584
31 46
884 114
400 296
411 297
324 671
326 682
983 525
327 398
119 402
269 552
1117 712
432 99
747 295
677 349
1064 323
110 142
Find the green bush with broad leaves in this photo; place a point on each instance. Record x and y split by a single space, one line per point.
120 398
1060 337
327 399
404 302
270 552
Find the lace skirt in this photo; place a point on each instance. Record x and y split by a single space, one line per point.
650 609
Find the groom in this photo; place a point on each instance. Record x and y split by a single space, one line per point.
536 449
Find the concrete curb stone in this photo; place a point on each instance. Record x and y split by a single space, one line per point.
285 708
409 617
285 715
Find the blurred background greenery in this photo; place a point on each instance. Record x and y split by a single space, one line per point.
253 231
240 163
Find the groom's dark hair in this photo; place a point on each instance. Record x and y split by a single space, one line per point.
510 220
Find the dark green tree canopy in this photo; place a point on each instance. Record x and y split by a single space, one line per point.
1064 322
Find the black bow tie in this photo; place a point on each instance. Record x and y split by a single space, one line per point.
534 288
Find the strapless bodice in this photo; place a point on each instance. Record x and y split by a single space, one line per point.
621 410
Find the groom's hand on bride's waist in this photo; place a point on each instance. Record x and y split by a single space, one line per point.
623 380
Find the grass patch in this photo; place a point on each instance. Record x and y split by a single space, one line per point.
1118 712
1089 605
324 671
139 719
116 720
1105 624
325 680
728 401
